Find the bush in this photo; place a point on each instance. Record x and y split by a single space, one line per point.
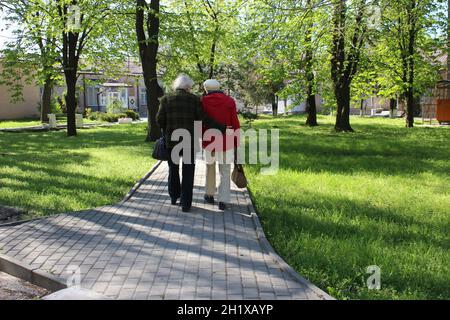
132 114
115 107
94 116
111 117
55 107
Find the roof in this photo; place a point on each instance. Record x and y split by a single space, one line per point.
443 84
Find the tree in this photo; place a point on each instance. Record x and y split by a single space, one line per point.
66 31
78 22
290 48
33 53
198 37
407 28
147 18
345 58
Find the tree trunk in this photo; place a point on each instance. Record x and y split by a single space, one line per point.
46 99
70 72
410 102
343 109
148 51
154 131
275 105
393 107
71 103
311 107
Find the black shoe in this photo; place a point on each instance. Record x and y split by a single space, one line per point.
222 206
209 199
174 201
186 209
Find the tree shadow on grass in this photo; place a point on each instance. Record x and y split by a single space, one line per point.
354 234
58 141
375 149
46 157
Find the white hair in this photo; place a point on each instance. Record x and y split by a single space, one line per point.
183 82
211 85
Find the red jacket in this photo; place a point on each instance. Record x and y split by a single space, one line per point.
222 109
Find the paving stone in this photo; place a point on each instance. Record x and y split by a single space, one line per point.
148 249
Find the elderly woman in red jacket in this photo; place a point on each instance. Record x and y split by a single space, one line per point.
221 108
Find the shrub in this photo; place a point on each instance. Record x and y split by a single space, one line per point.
94 116
132 114
115 107
111 117
55 107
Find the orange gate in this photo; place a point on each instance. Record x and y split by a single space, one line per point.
443 110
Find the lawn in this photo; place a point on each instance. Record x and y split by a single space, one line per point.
10 124
49 173
343 202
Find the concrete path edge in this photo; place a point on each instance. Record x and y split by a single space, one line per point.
140 182
25 272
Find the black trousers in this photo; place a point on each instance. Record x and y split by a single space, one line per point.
182 189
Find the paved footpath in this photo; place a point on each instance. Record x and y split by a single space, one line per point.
145 248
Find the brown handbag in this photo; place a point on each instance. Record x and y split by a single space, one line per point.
238 176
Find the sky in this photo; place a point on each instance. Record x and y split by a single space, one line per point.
5 34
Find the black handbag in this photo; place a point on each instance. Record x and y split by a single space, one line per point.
160 151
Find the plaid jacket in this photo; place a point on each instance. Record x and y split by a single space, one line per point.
180 111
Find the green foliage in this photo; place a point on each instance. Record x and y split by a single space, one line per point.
32 56
106 117
132 114
115 107
111 117
386 65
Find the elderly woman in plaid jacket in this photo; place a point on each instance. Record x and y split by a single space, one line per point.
180 111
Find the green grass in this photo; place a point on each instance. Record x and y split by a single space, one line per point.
49 173
9 124
343 202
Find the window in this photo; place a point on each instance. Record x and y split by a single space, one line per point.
142 96
91 96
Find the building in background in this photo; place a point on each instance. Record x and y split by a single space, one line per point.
96 91
28 108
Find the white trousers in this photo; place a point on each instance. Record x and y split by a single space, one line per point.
224 159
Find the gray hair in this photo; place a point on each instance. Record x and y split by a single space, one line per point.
183 82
